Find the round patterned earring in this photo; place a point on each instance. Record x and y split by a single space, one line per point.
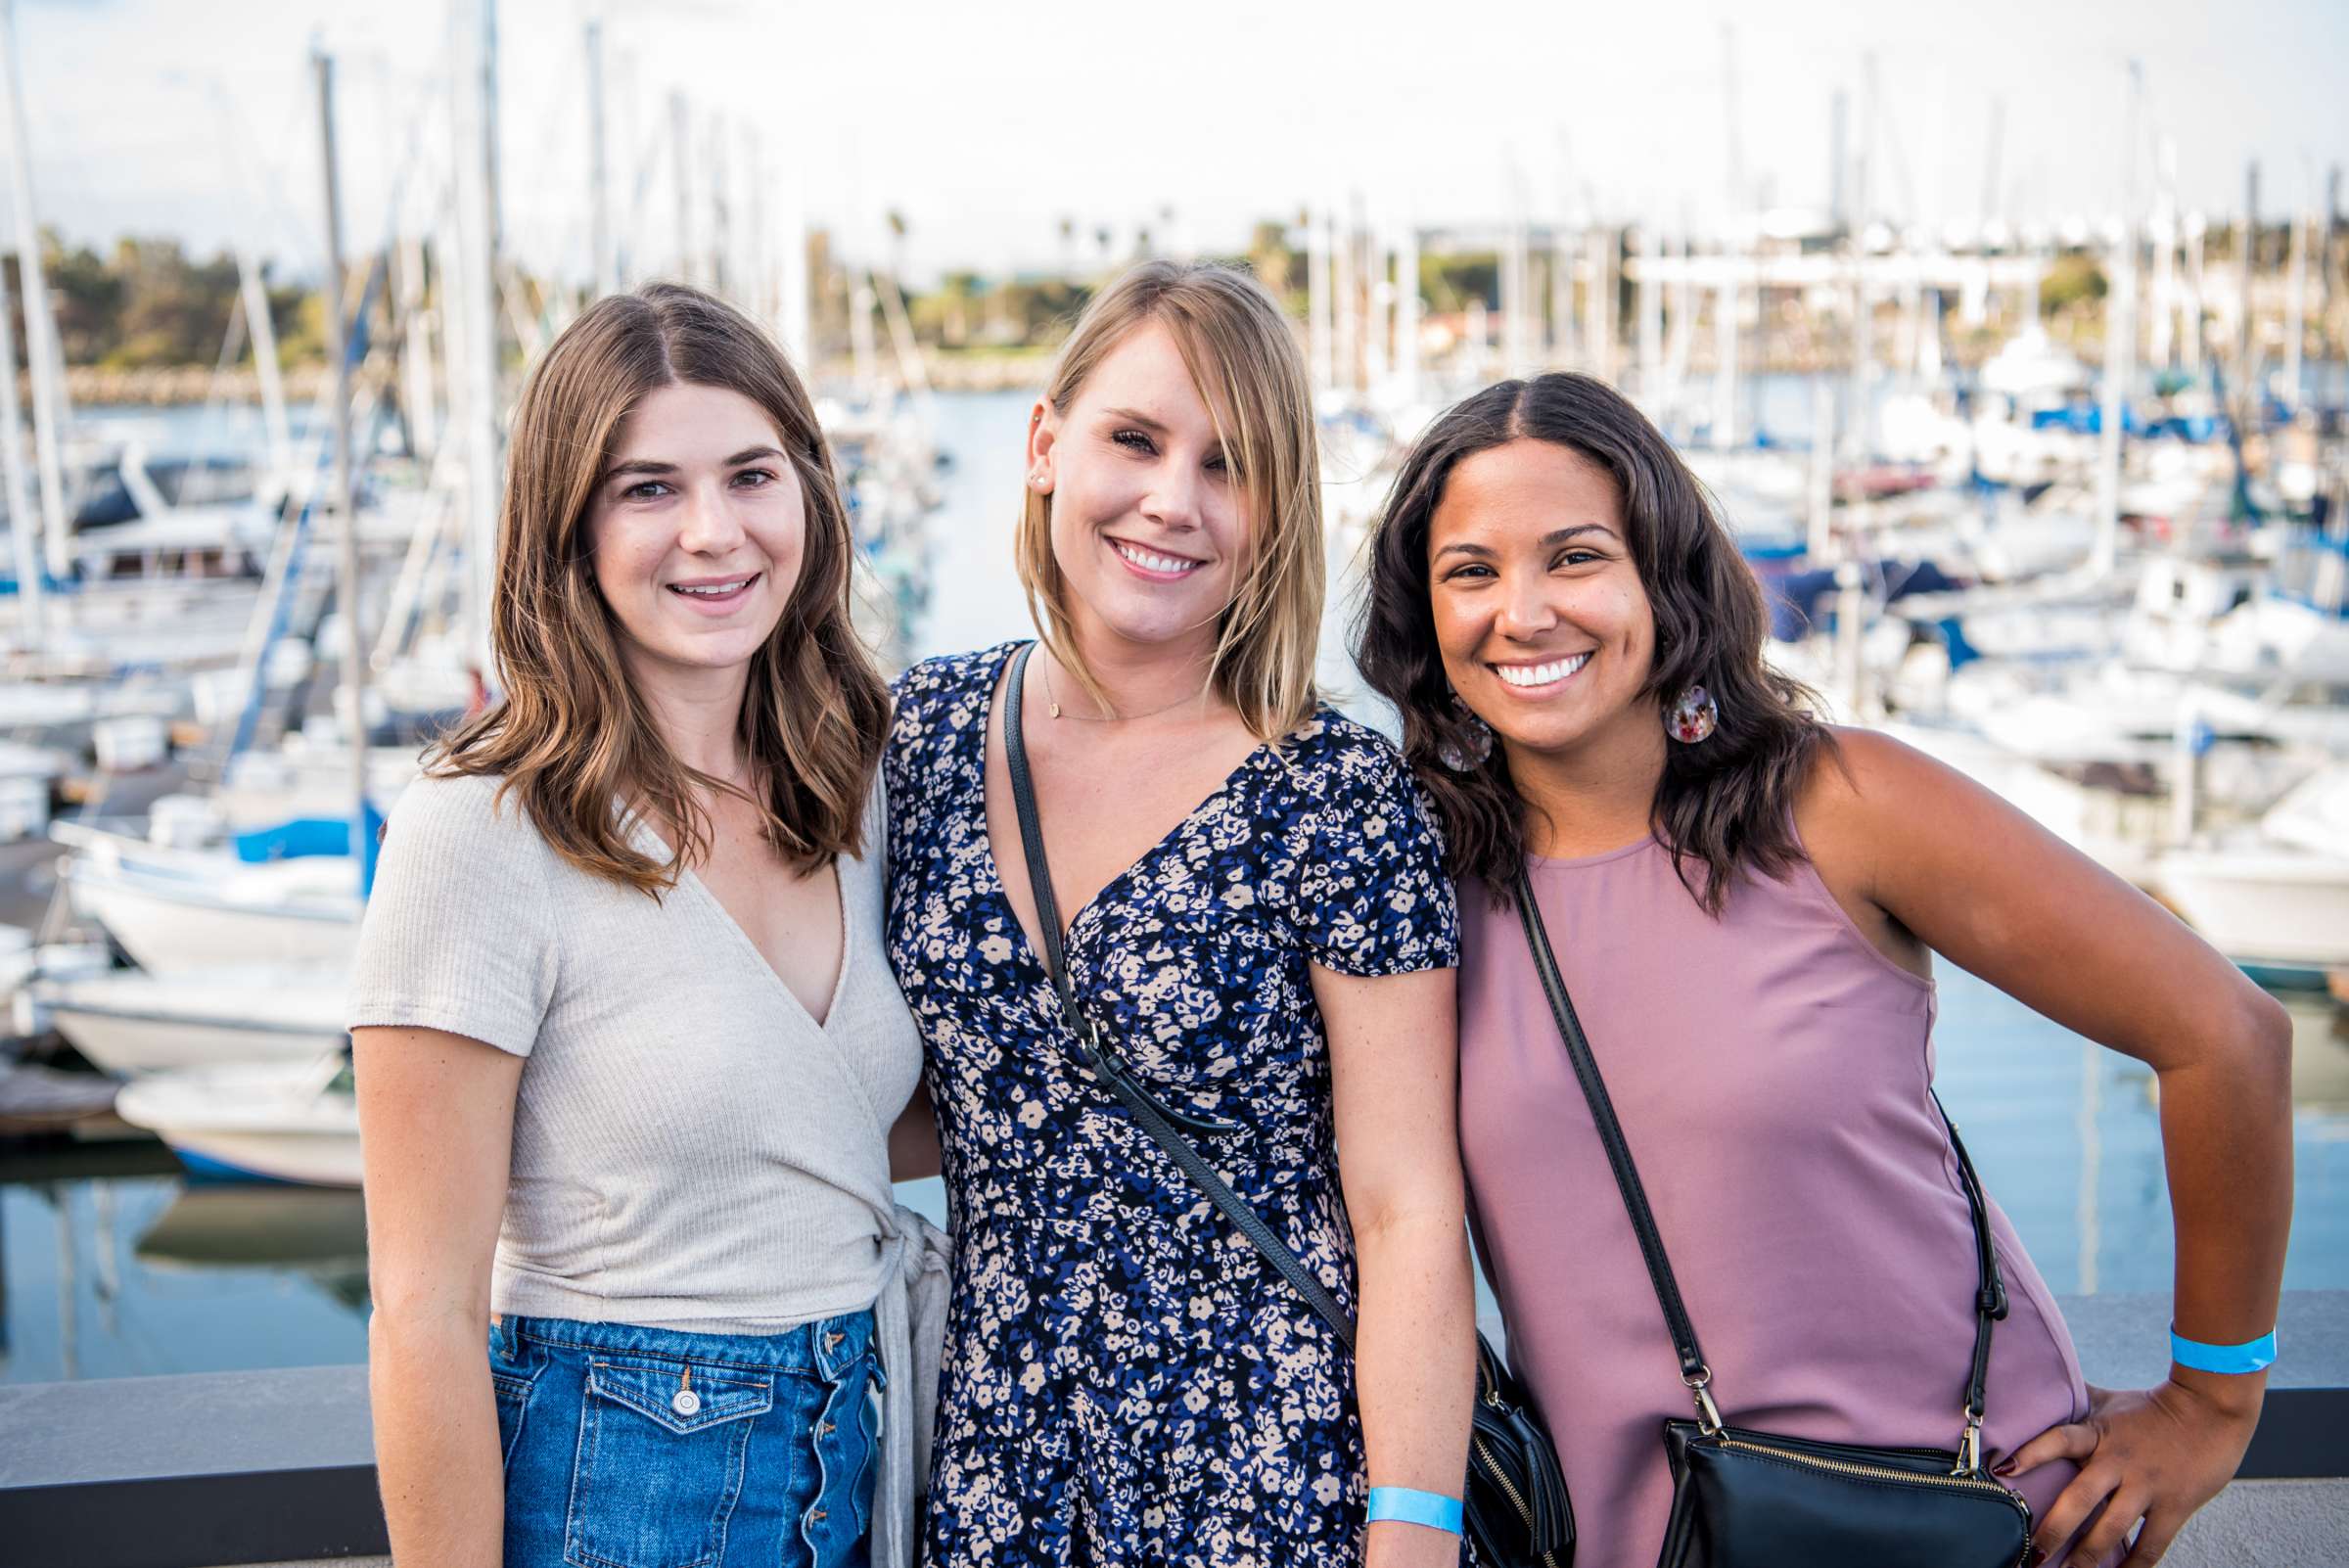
1693 717
1469 751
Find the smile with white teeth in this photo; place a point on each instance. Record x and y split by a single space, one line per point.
1527 675
712 590
1149 561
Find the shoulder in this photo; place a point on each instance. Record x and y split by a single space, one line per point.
1867 799
1339 760
1858 777
949 692
949 678
463 814
1331 740
1349 779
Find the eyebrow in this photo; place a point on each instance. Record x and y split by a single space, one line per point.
1552 538
1135 415
655 467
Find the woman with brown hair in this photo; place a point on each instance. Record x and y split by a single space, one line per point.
629 1054
1744 905
1258 961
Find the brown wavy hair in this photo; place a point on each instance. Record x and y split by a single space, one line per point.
572 736
1724 805
1243 358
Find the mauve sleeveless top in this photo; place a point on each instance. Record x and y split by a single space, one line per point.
1770 1070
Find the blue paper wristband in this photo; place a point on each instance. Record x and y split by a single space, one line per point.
2250 1356
1429 1509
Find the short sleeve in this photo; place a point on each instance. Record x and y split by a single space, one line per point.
458 934
1372 895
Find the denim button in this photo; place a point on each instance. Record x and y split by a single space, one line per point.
686 1402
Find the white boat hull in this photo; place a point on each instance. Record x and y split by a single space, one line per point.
128 1044
318 1160
275 1120
2262 905
171 927
129 1023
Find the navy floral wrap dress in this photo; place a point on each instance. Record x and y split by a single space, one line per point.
1125 1380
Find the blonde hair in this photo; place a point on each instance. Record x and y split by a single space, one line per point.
1243 358
572 736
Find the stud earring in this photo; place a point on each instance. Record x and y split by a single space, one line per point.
1693 717
1472 747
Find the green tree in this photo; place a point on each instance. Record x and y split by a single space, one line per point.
1448 282
2071 281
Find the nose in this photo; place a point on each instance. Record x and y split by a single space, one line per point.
709 526
1525 606
1172 498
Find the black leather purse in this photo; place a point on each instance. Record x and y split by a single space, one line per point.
1742 1499
1517 1513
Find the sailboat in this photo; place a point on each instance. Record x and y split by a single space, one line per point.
2276 901
129 1023
255 1120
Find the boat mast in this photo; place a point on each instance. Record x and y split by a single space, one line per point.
1407 312
1345 311
354 645
264 333
2296 308
599 192
2120 350
42 358
1651 320
22 526
476 289
1860 423
1318 355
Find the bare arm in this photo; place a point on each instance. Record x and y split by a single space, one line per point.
437 1117
913 1151
1394 1069
1980 882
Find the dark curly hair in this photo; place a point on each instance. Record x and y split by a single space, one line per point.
1724 805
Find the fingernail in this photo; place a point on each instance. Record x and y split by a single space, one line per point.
2005 1468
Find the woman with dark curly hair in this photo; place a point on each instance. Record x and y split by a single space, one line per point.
1744 905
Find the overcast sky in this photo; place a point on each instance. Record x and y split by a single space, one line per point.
984 123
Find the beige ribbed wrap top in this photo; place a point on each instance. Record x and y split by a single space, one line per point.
691 1150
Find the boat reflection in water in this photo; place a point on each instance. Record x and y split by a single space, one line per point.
319 1233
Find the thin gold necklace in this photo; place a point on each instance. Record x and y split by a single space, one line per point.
1052 703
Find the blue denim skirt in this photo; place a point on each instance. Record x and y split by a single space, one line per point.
648 1448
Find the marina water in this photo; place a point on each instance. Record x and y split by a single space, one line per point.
110 1265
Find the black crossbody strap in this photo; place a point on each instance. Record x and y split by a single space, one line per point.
1989 1299
1610 1135
1154 1115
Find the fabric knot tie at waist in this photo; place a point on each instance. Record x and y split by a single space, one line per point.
909 1318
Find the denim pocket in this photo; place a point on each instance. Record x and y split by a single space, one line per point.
513 1403
869 1422
660 1460
513 1375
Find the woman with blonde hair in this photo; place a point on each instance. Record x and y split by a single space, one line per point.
629 1054
1257 974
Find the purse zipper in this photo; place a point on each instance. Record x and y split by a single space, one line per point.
1501 1479
1874 1473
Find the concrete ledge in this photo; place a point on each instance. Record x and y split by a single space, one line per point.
2267 1523
2124 1341
174 1472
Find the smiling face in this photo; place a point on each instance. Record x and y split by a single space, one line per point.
697 526
1545 631
1149 517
